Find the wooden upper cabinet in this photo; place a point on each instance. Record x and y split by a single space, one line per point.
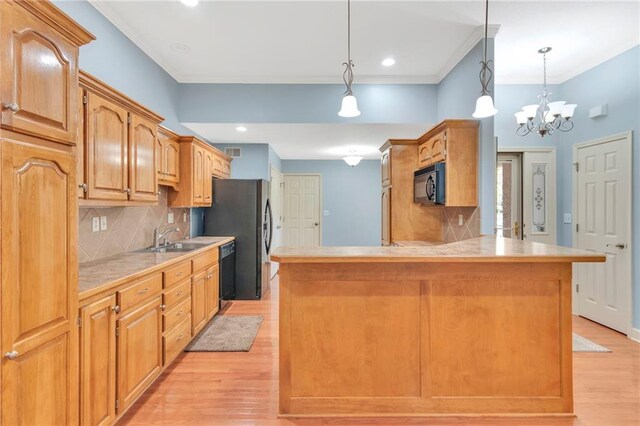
168 157
198 175
106 149
39 302
386 167
143 181
39 71
120 147
80 146
98 362
209 165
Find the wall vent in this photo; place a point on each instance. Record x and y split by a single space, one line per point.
233 152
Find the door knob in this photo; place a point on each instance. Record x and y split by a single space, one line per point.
316 224
11 355
620 246
14 107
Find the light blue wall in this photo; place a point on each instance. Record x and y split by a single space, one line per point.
253 163
457 96
274 159
616 83
352 197
117 61
305 103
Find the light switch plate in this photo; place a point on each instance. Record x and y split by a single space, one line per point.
460 219
103 223
170 218
567 218
325 213
95 224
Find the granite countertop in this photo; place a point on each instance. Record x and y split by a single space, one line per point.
99 275
417 243
483 249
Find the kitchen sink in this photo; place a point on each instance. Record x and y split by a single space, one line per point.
174 248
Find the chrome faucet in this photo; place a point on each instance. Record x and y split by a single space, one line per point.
157 235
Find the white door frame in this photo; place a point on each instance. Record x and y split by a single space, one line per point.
320 220
275 266
626 136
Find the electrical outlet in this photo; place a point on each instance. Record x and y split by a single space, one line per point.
170 218
567 218
460 220
325 213
184 217
103 223
95 224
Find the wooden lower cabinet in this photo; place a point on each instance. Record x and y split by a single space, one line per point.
198 302
212 291
98 362
139 335
176 339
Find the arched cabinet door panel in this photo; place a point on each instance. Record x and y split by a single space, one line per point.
143 175
38 64
39 300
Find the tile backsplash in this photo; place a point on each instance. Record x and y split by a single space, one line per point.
128 228
452 231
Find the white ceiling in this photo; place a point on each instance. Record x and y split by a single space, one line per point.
312 141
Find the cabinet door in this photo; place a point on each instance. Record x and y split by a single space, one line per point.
424 155
143 177
39 77
98 363
139 351
107 149
198 175
437 146
172 161
80 151
209 160
386 216
39 300
198 302
226 168
161 163
212 291
386 167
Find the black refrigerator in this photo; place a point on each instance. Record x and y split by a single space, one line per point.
241 209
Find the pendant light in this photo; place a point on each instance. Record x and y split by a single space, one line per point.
349 102
484 104
353 159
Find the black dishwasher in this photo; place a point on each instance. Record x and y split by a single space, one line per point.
227 273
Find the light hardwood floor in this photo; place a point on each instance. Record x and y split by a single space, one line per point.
242 388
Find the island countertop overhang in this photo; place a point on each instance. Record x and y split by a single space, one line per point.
485 249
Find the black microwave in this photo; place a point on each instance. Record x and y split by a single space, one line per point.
428 185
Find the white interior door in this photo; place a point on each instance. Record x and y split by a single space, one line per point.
276 213
509 196
302 210
539 186
603 210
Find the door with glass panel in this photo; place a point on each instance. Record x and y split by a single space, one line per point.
509 195
539 187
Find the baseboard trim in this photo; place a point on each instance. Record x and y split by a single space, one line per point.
635 335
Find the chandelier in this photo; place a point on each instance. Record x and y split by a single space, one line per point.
545 117
349 102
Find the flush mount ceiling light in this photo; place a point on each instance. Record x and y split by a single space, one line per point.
180 48
551 115
388 62
241 129
353 159
349 102
190 3
484 104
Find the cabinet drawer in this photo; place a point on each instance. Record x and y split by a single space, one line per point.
205 260
140 291
177 293
177 274
176 314
176 340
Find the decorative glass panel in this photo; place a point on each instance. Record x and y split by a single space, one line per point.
539 197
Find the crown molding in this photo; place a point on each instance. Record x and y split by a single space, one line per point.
466 47
333 79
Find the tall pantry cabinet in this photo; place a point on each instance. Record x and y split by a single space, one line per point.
38 213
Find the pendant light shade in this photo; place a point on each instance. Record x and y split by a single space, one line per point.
352 159
349 107
484 107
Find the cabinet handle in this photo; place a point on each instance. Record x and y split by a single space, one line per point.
180 312
198 196
11 355
83 186
180 293
180 337
143 291
158 193
14 107
179 274
163 307
116 309
127 191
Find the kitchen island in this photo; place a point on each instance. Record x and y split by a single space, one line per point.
477 327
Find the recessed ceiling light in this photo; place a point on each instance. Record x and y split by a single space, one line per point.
191 3
241 129
389 62
180 48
